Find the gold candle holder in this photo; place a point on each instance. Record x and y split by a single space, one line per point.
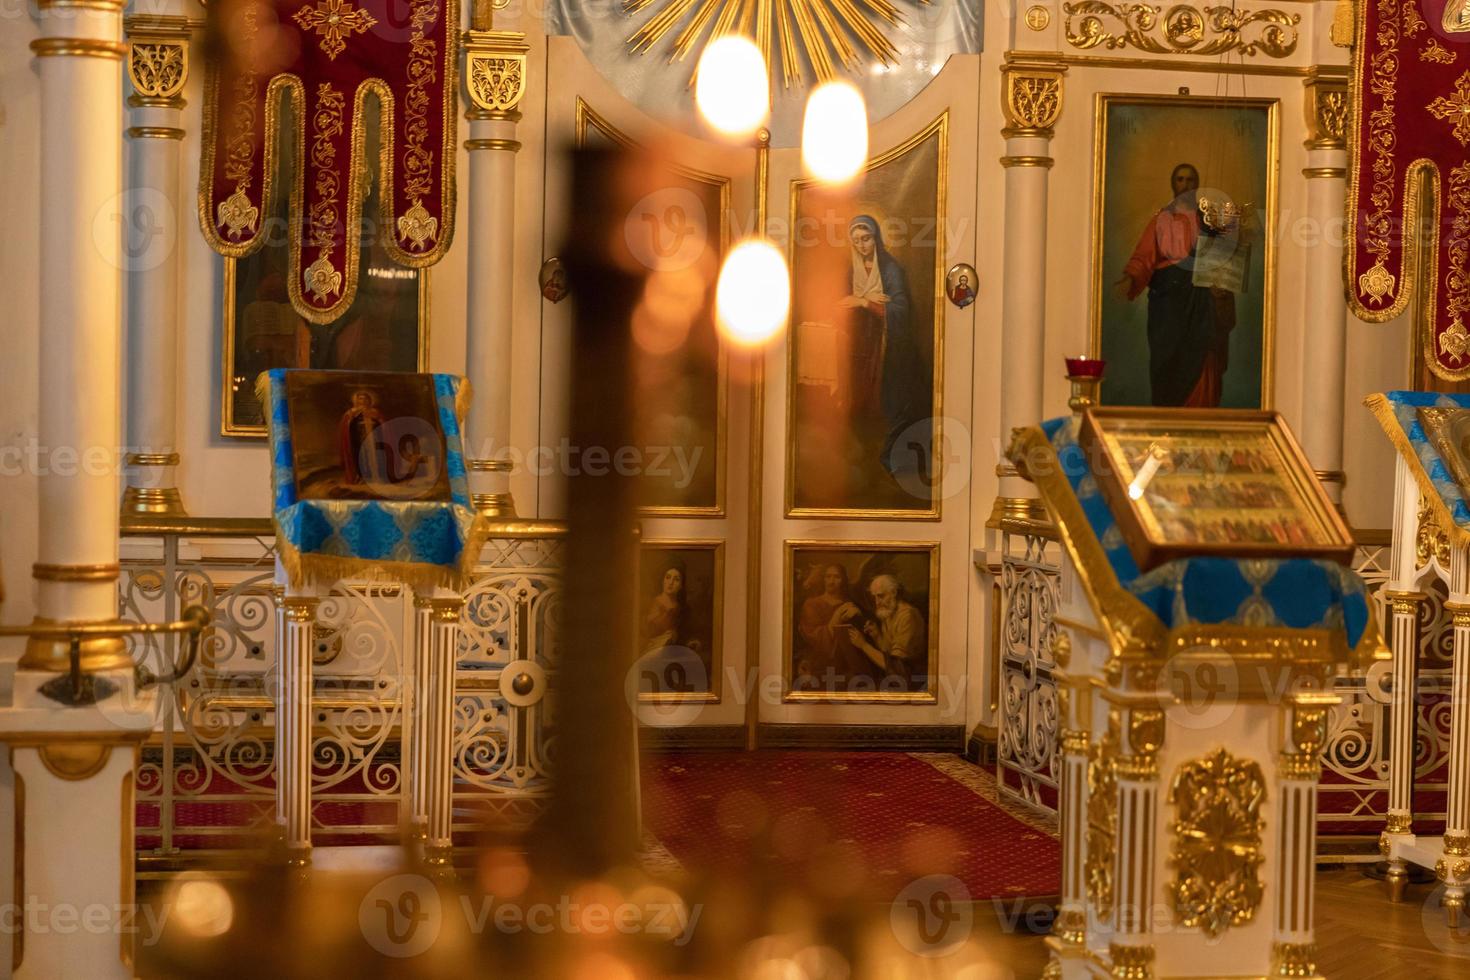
1085 373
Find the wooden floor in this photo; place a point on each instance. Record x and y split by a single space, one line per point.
1361 935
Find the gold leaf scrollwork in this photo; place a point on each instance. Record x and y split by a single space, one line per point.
1102 818
1437 53
158 69
1217 841
496 81
1182 29
1031 98
1430 541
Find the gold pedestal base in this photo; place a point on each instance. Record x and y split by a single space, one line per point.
497 506
1025 509
164 501
439 861
54 655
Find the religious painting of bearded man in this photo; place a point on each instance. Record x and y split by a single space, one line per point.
861 621
1184 265
358 435
865 348
680 608
385 328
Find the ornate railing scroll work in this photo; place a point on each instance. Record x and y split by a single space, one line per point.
1028 758
207 779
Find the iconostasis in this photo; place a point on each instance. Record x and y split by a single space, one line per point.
836 486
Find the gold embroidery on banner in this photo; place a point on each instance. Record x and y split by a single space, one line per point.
416 226
1438 53
1413 23
1377 283
334 21
1454 342
237 213
1217 842
1185 29
1455 108
324 219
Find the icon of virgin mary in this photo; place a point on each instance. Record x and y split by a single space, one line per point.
887 361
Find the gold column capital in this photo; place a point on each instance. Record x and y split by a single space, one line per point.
297 608
158 60
495 73
1325 103
1031 95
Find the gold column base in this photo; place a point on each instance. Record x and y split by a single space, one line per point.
1029 509
54 655
497 506
1294 959
439 860
163 501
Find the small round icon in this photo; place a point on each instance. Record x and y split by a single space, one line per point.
960 283
552 280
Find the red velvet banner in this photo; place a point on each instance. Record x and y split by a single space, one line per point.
326 56
1411 114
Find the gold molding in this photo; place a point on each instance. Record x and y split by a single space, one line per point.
152 459
98 572
1102 818
1270 257
495 80
788 625
1216 67
1032 93
1293 959
512 146
1315 173
1217 842
488 465
80 47
1130 962
298 608
163 501
715 694
1182 30
1027 161
74 762
937 129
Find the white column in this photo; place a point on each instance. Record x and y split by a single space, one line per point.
158 63
295 615
1402 720
495 66
1131 946
1324 303
438 756
1450 869
1293 948
1031 98
79 60
418 719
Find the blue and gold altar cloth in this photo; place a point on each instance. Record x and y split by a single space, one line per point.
417 542
1398 413
1271 594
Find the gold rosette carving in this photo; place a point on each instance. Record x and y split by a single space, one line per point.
1217 841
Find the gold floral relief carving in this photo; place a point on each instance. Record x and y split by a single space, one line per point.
1102 818
496 81
1217 842
1032 97
1430 541
158 69
1180 29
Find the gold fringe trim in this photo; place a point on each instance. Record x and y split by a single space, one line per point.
1388 419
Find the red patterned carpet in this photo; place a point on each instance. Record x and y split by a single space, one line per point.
864 824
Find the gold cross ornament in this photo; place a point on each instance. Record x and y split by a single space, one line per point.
334 20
